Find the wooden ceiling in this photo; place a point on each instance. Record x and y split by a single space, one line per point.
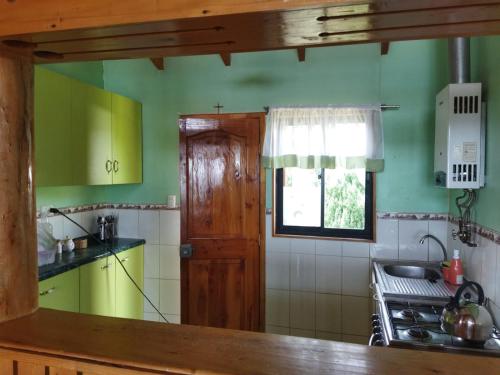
313 24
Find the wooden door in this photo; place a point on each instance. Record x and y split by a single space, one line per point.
220 219
127 140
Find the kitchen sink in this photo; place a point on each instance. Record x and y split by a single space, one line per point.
411 272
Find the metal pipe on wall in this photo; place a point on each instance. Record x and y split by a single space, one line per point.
459 59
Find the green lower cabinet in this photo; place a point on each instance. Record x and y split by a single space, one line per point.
98 287
61 292
129 301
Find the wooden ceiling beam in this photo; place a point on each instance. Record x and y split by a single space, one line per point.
158 62
226 58
384 48
301 54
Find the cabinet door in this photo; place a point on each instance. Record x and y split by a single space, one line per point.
91 135
98 287
52 128
61 292
129 301
127 140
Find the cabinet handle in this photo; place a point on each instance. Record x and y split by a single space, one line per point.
48 291
105 267
116 165
125 260
109 167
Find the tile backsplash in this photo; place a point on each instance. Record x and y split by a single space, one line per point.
481 263
160 227
320 288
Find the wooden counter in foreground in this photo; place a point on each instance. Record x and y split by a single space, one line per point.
53 342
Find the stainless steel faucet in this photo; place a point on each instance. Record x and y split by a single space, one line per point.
445 255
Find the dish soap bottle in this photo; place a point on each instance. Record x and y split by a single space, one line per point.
456 272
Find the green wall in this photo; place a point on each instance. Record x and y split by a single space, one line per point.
486 69
410 75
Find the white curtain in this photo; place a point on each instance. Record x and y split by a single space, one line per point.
324 137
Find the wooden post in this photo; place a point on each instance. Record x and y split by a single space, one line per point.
18 249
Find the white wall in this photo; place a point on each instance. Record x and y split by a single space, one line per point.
320 288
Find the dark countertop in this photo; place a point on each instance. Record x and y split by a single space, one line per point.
68 261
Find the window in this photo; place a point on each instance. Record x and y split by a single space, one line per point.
324 202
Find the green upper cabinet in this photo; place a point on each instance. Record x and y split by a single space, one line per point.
85 135
61 292
98 287
91 130
129 301
52 128
127 140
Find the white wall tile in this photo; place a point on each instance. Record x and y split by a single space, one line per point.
170 297
355 315
303 272
328 336
355 249
278 307
328 247
328 274
303 333
278 330
355 276
152 291
152 317
302 310
70 229
453 243
57 226
170 227
438 228
128 223
472 258
89 221
410 232
152 261
278 244
173 318
496 299
278 270
386 246
489 269
328 313
149 226
303 246
170 262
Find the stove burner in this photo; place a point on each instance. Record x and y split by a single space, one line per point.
410 314
418 333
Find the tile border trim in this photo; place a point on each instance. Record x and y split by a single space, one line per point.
480 230
113 206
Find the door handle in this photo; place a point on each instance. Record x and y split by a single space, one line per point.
48 291
186 250
125 260
109 166
116 166
105 267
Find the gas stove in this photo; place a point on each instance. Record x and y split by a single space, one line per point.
418 325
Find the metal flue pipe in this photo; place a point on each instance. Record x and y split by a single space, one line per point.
459 59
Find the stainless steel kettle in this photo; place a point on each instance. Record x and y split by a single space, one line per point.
467 320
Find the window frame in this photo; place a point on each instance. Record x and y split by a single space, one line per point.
366 235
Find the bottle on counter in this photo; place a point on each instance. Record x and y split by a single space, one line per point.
456 271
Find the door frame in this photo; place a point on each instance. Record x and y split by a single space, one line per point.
262 201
